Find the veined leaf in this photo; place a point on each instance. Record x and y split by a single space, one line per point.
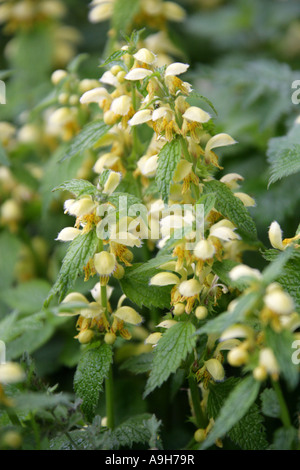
248 432
135 284
284 154
87 138
244 394
231 207
171 350
168 159
78 187
91 371
81 249
269 403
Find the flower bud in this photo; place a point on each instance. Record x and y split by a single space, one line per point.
153 338
58 75
167 324
85 336
260 374
268 361
105 263
200 435
178 309
11 372
110 338
237 357
279 301
275 236
201 312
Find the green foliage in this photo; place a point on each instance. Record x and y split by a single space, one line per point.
284 155
168 159
232 208
170 351
138 276
244 394
87 138
80 251
269 403
249 432
91 371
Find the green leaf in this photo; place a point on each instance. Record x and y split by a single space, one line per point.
222 270
284 154
34 401
138 364
281 344
80 251
78 187
9 251
285 439
269 403
30 340
123 14
27 297
87 138
135 284
168 159
232 208
235 407
245 304
248 432
171 350
139 429
115 56
91 371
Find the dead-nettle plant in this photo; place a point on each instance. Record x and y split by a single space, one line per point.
156 196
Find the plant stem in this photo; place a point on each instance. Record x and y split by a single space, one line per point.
284 412
199 416
109 391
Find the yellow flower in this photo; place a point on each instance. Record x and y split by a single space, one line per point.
275 237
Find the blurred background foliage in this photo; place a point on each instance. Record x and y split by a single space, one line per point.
244 56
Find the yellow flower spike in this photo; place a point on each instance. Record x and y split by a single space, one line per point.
176 68
278 301
145 56
105 264
269 362
112 182
166 324
247 200
121 106
96 95
80 207
204 250
138 73
164 279
128 315
243 271
219 140
58 75
275 237
190 288
215 369
182 170
153 339
140 117
68 234
231 180
195 114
